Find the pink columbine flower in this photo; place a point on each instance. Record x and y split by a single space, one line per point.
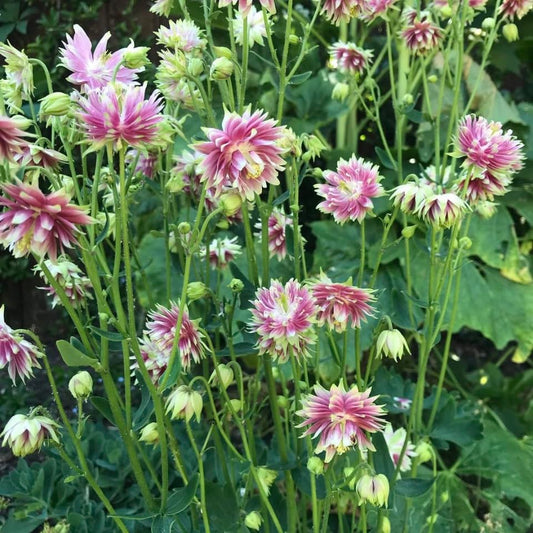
487 147
348 191
255 22
337 11
222 251
161 329
341 418
37 222
349 58
35 155
420 34
145 162
515 8
277 224
395 441
284 318
11 141
340 303
442 210
245 5
244 155
93 70
404 404
119 115
26 434
182 35
70 278
375 8
17 353
155 358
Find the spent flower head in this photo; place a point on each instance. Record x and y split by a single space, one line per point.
341 418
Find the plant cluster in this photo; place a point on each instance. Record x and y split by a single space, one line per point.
262 369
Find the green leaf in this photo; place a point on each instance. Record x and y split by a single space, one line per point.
300 78
73 357
382 460
386 161
413 486
110 335
180 499
222 504
145 409
102 405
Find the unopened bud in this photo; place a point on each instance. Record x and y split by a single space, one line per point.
221 68
266 477
195 66
21 122
424 452
149 434
226 376
184 228
488 23
391 343
196 290
135 56
486 209
294 39
407 99
510 32
231 203
385 525
222 51
432 78
81 385
55 105
315 465
446 11
236 404
340 91
349 475
373 489
408 231
236 285
465 243
253 520
283 402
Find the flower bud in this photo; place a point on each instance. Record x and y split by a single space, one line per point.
135 56
373 489
510 32
236 285
226 376
349 476
55 105
21 122
266 477
236 404
184 228
294 39
486 209
184 402
432 78
407 99
391 343
253 520
488 23
81 385
424 451
221 68
26 434
465 243
231 203
446 11
149 434
222 51
385 525
408 231
196 290
283 402
314 146
340 91
195 66
315 465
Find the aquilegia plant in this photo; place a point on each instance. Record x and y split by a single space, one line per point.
244 360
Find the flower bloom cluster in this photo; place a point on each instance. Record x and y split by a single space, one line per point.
340 303
244 155
419 33
17 353
37 222
283 317
26 434
348 192
340 418
158 341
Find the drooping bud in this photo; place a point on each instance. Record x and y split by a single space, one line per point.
55 105
488 23
266 478
385 525
510 32
184 402
340 91
253 520
135 56
373 489
221 69
196 290
222 51
195 66
315 465
236 285
81 385
391 343
231 203
408 231
149 434
424 451
226 376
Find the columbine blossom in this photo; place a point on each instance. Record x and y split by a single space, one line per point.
487 147
255 23
277 224
411 195
375 8
119 115
93 70
337 11
340 418
245 5
162 7
442 210
35 155
419 33
222 251
11 139
183 35
348 191
340 303
349 58
244 155
26 434
283 317
17 353
37 222
395 441
18 69
515 8
483 188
